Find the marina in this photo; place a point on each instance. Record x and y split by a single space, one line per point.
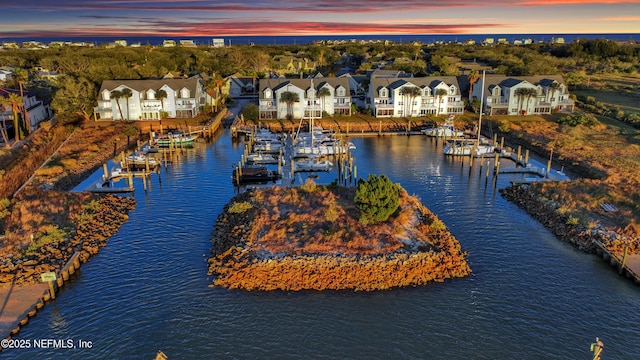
154 268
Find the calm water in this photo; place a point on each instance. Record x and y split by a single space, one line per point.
530 297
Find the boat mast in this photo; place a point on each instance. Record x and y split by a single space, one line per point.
481 111
313 110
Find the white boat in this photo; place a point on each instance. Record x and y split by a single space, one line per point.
264 135
261 158
142 159
324 148
271 146
466 147
445 130
313 165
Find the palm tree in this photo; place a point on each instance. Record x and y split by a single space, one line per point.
528 93
440 93
161 95
473 78
322 93
116 95
126 93
211 88
15 101
553 87
219 83
3 109
22 76
289 98
411 92
520 93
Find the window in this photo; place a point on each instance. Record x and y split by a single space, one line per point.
106 95
452 90
340 91
184 93
383 93
151 95
267 94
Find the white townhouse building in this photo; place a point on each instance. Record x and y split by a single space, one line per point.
337 101
523 95
416 96
37 110
186 98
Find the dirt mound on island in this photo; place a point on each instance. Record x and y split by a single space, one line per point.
310 238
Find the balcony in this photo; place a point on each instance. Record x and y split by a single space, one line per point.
268 108
499 105
384 106
566 102
104 104
186 106
151 105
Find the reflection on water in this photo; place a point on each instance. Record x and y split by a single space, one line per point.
530 296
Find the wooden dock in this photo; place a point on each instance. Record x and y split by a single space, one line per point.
628 265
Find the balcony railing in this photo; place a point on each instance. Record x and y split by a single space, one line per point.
268 108
384 106
502 104
187 106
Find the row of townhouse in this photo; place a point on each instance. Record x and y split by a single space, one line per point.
315 97
185 98
386 94
37 110
525 95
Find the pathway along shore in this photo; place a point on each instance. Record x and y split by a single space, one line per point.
257 246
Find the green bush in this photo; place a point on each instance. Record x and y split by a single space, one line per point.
239 207
52 234
437 226
576 119
251 112
377 198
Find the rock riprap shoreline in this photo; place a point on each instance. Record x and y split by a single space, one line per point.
91 234
287 238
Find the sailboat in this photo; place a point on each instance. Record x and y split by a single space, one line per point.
469 146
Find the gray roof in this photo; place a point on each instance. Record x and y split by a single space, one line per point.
304 84
510 81
421 82
190 83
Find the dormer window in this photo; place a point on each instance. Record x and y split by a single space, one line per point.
426 91
383 92
151 95
184 93
267 94
452 90
496 91
106 95
340 91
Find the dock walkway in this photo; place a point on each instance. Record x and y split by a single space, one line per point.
630 266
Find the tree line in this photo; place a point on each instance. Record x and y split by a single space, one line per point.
73 94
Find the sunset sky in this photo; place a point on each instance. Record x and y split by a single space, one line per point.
183 18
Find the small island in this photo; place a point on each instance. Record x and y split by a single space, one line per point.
371 237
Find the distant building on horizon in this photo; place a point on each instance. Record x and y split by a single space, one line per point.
218 42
